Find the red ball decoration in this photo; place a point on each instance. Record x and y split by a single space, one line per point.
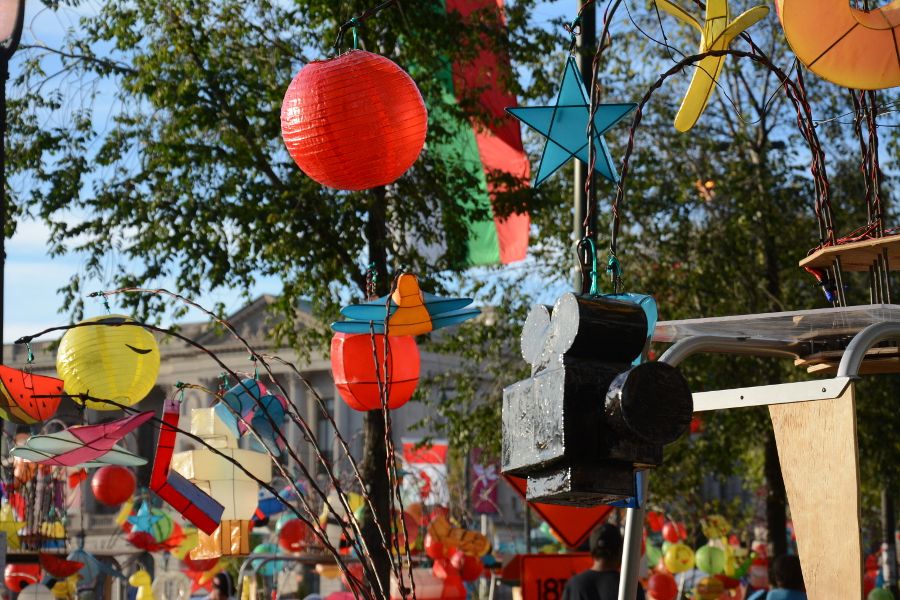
472 568
662 586
19 575
144 541
457 560
655 521
443 569
433 548
112 485
291 535
355 375
353 122
674 532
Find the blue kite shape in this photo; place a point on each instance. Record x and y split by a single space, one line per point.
565 127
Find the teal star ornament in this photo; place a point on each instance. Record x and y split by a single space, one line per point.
144 519
565 126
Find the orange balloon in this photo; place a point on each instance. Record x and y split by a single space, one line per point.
845 45
354 122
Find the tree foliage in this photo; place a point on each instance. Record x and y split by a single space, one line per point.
151 136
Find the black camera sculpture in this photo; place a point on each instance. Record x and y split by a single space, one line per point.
586 420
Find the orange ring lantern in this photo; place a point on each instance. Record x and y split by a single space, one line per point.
354 122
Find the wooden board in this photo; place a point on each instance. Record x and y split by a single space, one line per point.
877 361
820 461
856 256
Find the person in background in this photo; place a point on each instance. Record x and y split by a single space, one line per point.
222 588
787 581
601 581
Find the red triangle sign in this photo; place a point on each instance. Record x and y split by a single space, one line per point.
572 524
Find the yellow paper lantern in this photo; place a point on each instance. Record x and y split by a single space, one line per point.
223 481
112 360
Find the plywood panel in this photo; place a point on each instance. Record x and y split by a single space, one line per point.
820 461
856 256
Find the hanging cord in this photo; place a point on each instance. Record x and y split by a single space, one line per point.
604 41
356 22
383 379
586 251
371 282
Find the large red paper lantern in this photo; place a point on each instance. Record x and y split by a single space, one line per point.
353 122
355 375
112 485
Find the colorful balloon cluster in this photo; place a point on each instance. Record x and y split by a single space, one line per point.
722 559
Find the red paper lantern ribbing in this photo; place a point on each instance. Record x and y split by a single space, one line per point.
353 122
112 485
354 369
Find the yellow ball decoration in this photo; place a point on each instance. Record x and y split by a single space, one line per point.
679 558
113 360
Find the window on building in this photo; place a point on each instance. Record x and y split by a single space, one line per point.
325 432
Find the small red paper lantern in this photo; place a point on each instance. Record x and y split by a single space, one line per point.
112 485
353 122
662 586
354 369
291 535
674 532
19 575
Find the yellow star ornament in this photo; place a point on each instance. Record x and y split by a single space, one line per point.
10 526
716 33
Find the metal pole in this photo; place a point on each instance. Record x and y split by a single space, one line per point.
634 517
8 46
586 46
527 528
4 75
631 553
888 550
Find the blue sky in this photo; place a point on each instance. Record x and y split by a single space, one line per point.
31 302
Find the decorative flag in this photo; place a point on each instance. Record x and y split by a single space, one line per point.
492 146
483 479
425 473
